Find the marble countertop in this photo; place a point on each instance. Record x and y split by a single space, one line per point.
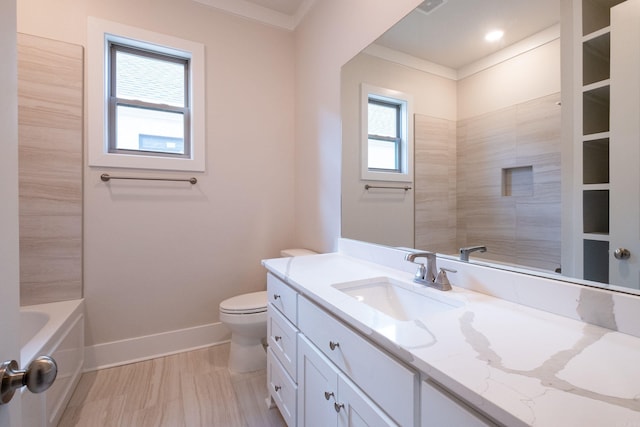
519 365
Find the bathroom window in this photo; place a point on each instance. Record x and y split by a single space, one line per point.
148 102
146 99
387 143
384 136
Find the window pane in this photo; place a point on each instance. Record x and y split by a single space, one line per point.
149 79
382 155
383 120
149 130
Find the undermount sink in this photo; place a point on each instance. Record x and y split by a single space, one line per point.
396 299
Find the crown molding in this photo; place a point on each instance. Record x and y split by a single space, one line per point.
249 10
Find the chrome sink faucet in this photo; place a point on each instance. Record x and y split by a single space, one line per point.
464 252
427 274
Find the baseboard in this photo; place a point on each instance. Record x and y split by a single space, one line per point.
147 347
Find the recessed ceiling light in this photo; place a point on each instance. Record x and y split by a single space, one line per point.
494 36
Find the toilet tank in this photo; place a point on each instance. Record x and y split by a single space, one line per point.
296 252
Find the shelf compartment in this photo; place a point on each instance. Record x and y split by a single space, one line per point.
596 54
595 161
596 260
596 14
595 211
595 110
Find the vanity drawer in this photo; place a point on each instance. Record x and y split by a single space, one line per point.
439 408
282 339
282 297
388 382
281 389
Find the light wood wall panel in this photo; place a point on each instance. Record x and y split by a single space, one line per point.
524 227
435 184
50 106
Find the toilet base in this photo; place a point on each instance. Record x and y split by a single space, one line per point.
246 355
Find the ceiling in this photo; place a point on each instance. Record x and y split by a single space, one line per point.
452 34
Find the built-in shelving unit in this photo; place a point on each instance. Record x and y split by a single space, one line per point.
596 48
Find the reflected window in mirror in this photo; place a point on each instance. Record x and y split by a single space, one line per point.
384 140
386 135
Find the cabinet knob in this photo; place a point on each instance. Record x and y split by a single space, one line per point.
337 406
328 395
622 253
333 345
277 388
276 296
277 338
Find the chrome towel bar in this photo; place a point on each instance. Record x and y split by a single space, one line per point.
405 188
106 178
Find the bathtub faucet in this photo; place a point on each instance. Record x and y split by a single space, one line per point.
464 252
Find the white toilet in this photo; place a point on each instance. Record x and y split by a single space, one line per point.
246 316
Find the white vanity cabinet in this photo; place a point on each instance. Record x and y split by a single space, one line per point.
389 383
323 373
282 352
327 398
439 408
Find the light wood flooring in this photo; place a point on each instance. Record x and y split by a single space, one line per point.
193 389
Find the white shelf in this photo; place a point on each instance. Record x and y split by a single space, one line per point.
601 237
588 187
596 85
595 136
596 34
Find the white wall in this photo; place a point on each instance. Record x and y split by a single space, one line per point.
528 76
158 256
161 257
331 34
385 217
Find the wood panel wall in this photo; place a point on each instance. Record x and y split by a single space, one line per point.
50 107
435 184
509 183
491 180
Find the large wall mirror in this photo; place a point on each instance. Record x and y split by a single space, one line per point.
514 141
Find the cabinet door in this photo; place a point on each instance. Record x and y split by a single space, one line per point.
355 409
317 387
625 143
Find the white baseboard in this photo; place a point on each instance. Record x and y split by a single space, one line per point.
147 347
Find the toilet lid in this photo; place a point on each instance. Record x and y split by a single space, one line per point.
254 302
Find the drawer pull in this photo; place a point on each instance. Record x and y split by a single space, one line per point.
333 345
277 388
337 406
276 296
277 338
328 395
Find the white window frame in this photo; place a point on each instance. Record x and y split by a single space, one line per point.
99 34
406 133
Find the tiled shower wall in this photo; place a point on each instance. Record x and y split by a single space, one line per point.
50 96
494 180
435 184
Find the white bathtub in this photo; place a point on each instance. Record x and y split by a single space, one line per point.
55 330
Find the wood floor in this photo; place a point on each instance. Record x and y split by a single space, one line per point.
193 389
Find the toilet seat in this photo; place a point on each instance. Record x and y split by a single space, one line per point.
254 302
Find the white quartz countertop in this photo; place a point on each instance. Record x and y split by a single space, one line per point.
519 365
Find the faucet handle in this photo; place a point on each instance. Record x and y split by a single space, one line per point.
421 273
442 280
